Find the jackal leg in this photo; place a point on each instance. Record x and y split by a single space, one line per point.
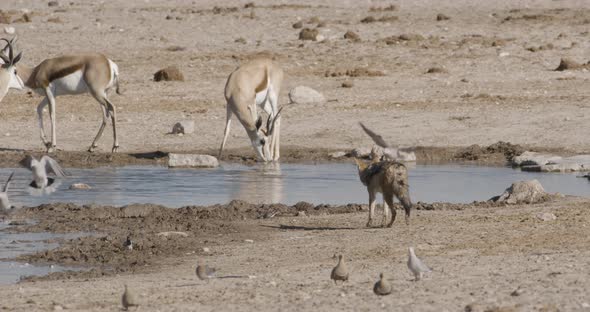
372 199
389 199
385 213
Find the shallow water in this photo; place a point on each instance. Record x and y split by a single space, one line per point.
13 245
287 183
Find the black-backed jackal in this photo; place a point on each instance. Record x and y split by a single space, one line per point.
389 178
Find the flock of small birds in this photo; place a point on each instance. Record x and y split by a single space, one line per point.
339 273
382 287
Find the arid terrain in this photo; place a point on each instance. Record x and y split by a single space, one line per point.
437 75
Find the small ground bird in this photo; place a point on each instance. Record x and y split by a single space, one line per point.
129 300
340 271
382 287
415 265
4 202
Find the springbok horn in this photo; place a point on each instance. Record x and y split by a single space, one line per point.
10 53
274 120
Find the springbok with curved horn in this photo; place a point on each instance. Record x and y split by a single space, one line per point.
8 72
90 73
253 84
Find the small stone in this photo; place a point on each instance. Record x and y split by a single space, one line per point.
301 214
517 292
546 216
298 25
184 127
305 95
504 54
347 84
338 154
171 73
442 17
241 40
206 249
360 152
52 3
9 30
249 241
169 17
309 34
352 36
80 186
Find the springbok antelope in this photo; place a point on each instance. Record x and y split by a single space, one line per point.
90 73
256 83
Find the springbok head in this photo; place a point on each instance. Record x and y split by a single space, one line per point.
261 142
8 75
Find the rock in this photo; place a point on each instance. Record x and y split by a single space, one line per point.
528 192
337 154
298 25
546 216
305 95
442 17
52 3
79 186
9 30
360 152
172 233
352 36
206 249
534 159
249 241
437 70
301 214
347 84
393 154
184 127
568 64
309 34
171 73
192 160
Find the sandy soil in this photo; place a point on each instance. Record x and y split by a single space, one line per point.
493 80
492 88
480 253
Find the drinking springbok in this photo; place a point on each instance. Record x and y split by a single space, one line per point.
256 83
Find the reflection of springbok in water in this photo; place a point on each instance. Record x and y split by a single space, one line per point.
389 178
263 185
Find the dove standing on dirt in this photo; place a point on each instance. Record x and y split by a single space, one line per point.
382 287
4 202
129 300
40 169
204 272
415 265
128 243
340 271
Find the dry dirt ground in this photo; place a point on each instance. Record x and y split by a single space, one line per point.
487 257
492 79
497 79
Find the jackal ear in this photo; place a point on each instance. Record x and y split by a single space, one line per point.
360 164
258 123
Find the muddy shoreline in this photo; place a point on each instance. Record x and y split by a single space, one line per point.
497 154
159 232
